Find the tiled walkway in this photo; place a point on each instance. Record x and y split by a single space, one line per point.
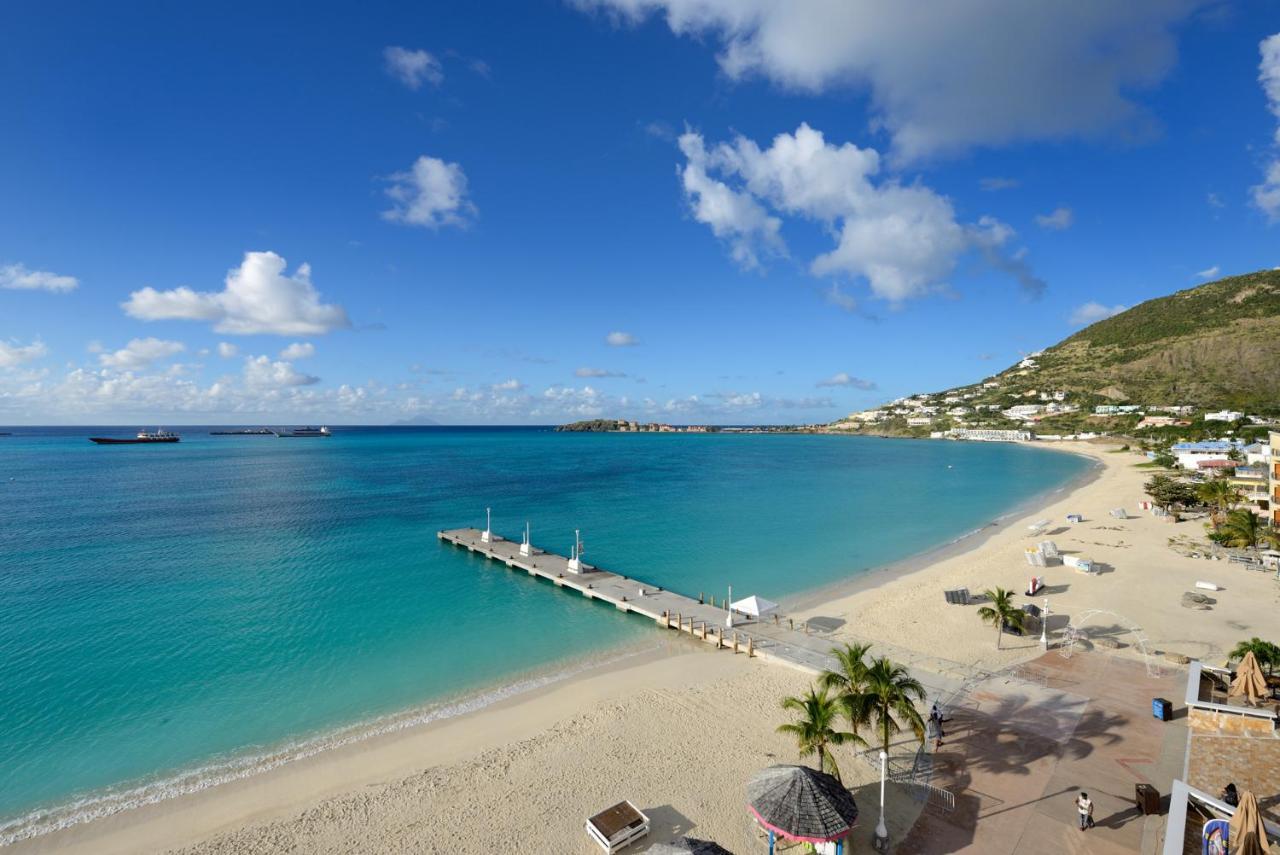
1017 753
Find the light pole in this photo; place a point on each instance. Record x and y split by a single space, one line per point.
728 620
1044 625
882 833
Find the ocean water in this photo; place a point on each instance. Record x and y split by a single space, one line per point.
173 615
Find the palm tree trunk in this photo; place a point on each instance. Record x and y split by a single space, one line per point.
999 632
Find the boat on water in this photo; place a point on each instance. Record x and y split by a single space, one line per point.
302 432
244 432
143 437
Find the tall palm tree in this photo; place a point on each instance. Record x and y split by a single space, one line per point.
847 681
1242 528
815 727
1267 654
1220 495
887 700
1002 612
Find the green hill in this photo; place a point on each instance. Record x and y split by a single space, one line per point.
1216 345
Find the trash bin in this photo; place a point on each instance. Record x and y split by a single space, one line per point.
1147 798
1162 708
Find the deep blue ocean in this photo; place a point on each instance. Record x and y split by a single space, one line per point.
172 615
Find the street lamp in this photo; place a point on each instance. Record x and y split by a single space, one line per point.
882 833
1044 625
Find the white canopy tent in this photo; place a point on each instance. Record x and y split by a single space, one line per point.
754 606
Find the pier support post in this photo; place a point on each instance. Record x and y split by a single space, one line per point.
751 647
735 641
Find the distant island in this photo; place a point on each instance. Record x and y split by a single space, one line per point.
624 426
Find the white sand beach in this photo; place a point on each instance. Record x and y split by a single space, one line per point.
680 729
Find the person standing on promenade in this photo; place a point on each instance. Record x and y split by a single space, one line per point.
1084 807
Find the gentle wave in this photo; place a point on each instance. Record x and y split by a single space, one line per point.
108 803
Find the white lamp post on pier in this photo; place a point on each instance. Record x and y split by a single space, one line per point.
882 832
487 535
1044 625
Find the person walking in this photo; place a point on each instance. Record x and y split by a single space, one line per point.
1084 807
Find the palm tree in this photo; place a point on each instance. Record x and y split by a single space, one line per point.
886 700
847 682
1267 654
815 727
1002 612
1242 528
1220 495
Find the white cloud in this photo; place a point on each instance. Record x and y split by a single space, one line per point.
413 67
1214 201
13 354
18 277
597 372
259 298
1059 219
843 378
936 82
227 350
903 239
511 385
1266 196
996 183
431 194
260 372
1209 272
141 352
298 350
621 339
1092 312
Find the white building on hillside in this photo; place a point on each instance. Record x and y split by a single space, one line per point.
1223 416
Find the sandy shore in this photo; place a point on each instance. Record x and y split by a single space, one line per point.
680 729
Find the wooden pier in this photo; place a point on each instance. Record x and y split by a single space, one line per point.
705 622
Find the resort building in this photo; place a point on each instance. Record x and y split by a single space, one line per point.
1191 454
1023 411
1275 477
1161 421
1254 484
1224 416
991 435
1115 409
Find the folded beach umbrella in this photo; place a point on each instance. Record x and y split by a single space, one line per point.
803 804
1249 682
1247 834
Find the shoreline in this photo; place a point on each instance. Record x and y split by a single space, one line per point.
115 805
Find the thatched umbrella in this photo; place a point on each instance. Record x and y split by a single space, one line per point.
1249 682
1246 832
803 804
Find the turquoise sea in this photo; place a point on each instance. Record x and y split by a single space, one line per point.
175 615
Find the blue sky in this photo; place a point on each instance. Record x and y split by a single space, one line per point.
528 212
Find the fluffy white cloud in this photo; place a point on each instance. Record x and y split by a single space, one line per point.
996 183
843 378
13 354
298 350
621 339
597 372
903 239
1267 194
141 352
413 67
1092 312
259 297
944 76
1209 272
733 216
1059 219
431 194
227 350
18 277
260 372
511 385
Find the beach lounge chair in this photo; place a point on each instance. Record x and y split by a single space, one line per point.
618 827
1075 518
957 596
1034 586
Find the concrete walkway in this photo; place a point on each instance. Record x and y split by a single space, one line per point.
1017 753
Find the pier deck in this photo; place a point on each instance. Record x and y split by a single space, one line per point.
761 638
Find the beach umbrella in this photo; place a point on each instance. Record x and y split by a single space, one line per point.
803 804
1246 833
688 846
754 606
1249 682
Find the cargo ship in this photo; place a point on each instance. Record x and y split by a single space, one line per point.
304 431
142 437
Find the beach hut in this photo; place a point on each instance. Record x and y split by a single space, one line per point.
802 804
618 827
754 606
